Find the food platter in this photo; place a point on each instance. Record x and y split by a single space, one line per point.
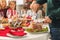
45 30
35 27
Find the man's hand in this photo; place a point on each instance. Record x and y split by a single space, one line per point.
47 20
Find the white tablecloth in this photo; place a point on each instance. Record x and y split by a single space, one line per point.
29 36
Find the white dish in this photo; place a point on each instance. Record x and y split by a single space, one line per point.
10 35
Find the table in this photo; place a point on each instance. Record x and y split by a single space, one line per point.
29 36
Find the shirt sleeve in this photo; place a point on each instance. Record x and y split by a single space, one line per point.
55 15
41 1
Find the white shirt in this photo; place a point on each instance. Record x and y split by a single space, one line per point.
35 15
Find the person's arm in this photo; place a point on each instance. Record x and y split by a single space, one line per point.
40 2
55 15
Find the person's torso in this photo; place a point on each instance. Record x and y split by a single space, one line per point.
4 12
37 14
11 12
52 6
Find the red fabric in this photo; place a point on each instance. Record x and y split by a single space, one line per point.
4 32
18 32
20 28
15 32
12 12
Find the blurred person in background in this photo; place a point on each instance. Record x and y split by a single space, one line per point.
23 11
35 12
27 3
25 8
44 8
4 7
53 16
11 12
1 12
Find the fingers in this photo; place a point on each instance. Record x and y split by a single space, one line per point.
47 20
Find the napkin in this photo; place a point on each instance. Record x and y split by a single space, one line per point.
18 32
5 31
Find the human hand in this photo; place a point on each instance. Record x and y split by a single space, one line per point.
47 20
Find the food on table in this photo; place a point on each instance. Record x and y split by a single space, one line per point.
37 27
27 24
28 17
14 17
44 29
15 24
36 30
4 20
6 24
23 24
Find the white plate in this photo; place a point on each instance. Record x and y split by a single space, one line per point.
10 35
38 32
